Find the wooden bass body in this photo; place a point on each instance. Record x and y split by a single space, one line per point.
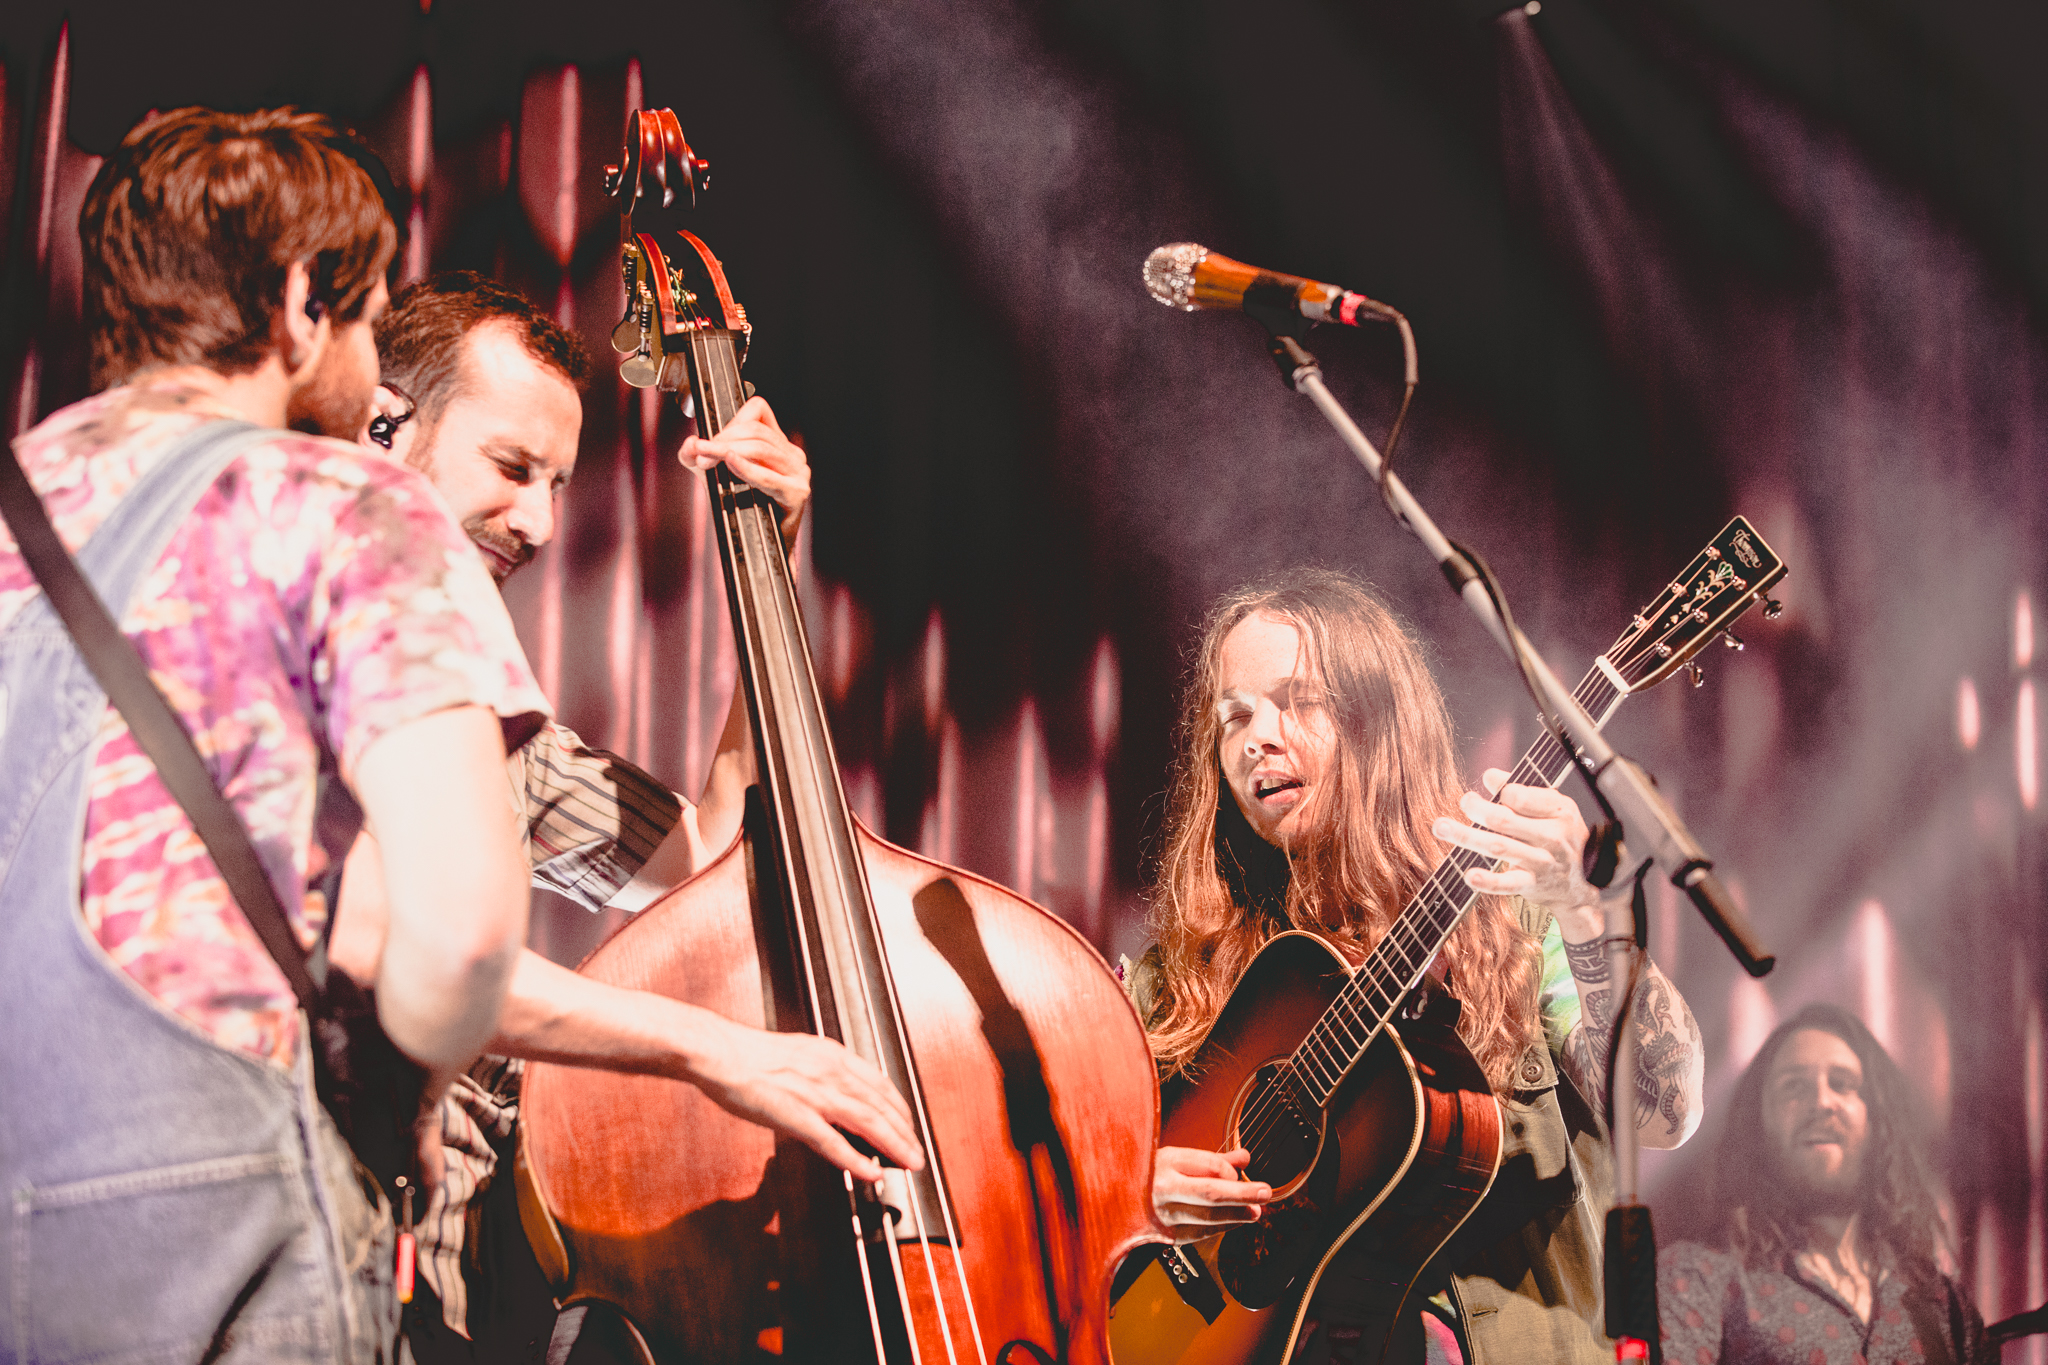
669 1209
1404 1150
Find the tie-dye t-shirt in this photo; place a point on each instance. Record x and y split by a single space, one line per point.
317 598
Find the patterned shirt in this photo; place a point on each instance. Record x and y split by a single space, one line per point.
316 599
1716 1311
592 820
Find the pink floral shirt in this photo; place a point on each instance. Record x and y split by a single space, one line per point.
317 598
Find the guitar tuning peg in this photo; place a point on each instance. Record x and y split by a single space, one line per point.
1692 671
1732 640
1773 609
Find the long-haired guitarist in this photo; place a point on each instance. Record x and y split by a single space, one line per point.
1316 788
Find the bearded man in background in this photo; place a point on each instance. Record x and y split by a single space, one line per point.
1831 1236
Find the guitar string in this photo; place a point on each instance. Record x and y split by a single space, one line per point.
1322 1065
1414 952
1258 1122
1440 907
1318 1060
1322 1057
1412 947
1321 1047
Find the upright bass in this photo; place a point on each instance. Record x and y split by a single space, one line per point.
1027 1072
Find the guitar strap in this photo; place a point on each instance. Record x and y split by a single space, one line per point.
370 1088
122 675
1938 1340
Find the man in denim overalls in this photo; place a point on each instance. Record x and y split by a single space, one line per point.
172 1191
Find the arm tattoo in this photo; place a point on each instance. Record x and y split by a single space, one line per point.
1667 1039
1588 962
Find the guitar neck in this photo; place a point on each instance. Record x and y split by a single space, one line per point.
1397 962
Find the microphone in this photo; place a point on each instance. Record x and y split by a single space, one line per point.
1186 276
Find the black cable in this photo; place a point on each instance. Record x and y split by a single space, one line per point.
1410 374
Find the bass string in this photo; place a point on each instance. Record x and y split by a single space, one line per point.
716 368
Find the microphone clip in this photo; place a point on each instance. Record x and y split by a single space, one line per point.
1275 307
1293 359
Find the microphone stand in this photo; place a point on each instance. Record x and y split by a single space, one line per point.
1658 834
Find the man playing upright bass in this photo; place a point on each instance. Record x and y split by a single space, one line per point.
480 394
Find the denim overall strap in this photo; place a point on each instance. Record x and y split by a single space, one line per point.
162 1198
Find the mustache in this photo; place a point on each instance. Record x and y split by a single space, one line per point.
513 553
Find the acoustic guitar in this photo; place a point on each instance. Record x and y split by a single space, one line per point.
1350 1089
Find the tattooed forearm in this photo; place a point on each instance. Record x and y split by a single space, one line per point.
1669 1060
1588 1046
1588 962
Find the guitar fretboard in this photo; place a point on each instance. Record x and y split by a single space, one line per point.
1397 962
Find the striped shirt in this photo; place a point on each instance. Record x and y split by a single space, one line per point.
592 820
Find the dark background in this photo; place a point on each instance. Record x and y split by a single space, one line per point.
1667 260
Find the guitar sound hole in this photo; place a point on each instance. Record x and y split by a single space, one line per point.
1282 1140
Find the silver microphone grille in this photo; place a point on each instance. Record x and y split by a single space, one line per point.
1170 274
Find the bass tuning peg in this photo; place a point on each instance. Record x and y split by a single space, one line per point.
631 333
641 370
1773 609
1732 640
1692 671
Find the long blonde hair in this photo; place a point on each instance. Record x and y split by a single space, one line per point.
1222 891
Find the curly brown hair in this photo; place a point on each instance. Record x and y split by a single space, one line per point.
1222 891
189 228
1898 1212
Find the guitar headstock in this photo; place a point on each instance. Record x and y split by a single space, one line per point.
1731 575
674 285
